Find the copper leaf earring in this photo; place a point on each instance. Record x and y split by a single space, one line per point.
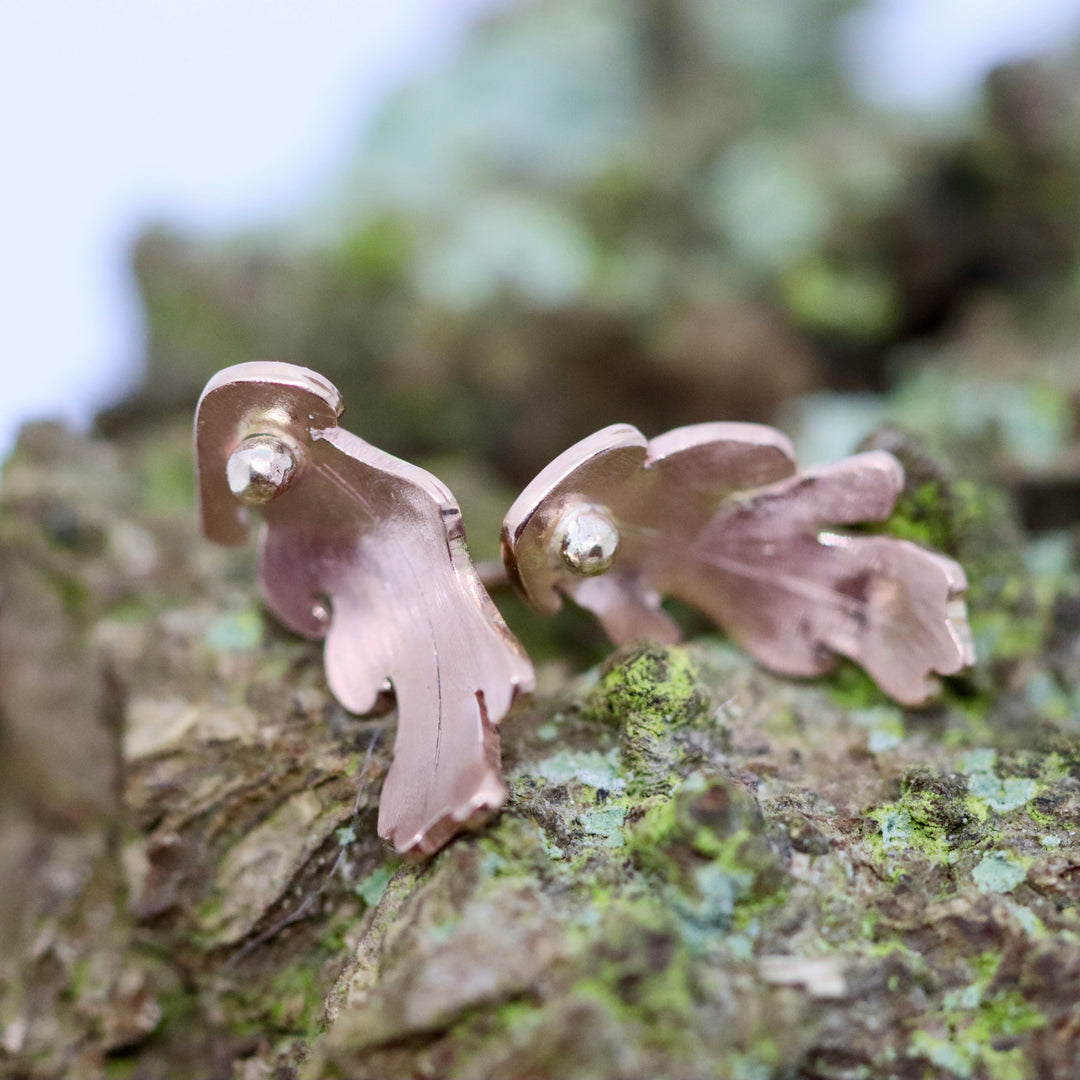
718 516
368 552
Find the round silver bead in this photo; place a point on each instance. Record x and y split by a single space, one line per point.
261 468
588 542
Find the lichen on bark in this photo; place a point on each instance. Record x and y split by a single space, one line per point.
702 869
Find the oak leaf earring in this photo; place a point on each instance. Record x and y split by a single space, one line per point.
368 552
718 516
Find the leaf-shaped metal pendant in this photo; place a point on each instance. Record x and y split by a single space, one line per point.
369 552
718 516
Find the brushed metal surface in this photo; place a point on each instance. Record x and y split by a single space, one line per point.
368 552
718 516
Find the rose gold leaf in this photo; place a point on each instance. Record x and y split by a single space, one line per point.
717 516
369 552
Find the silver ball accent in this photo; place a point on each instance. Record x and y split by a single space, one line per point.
261 468
588 542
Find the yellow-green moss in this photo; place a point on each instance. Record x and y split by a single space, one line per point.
934 817
706 849
647 692
979 1019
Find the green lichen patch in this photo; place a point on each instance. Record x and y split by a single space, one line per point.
648 692
707 851
591 768
372 887
568 820
638 962
884 727
606 823
853 689
980 1028
933 818
975 524
578 799
1002 795
237 631
998 872
298 999
897 829
530 838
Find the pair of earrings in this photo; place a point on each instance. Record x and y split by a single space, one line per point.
368 552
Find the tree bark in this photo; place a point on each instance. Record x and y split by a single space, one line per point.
702 869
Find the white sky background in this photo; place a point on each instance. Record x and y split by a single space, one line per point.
210 114
920 53
216 114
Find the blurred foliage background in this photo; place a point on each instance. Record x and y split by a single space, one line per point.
661 212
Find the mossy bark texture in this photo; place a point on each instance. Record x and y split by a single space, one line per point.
703 870
659 212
